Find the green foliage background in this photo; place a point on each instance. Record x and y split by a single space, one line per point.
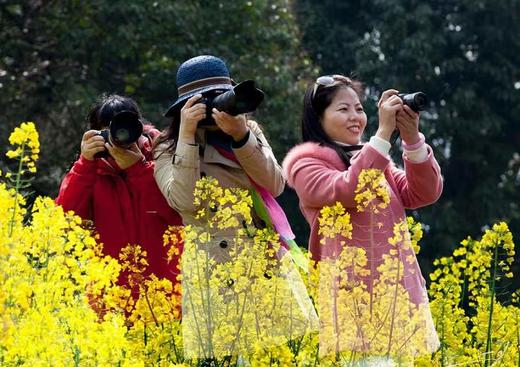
58 56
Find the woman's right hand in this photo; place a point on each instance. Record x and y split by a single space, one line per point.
191 114
92 143
389 104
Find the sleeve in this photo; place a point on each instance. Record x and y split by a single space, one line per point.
420 183
176 175
381 145
257 159
417 155
77 187
319 184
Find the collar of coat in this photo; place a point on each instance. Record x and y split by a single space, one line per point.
208 153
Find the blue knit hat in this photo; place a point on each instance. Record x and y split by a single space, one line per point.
198 75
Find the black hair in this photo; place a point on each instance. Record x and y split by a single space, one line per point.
171 134
314 107
102 112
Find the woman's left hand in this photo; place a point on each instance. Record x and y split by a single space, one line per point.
407 121
234 126
125 158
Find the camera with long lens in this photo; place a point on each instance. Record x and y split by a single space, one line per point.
243 98
417 101
124 129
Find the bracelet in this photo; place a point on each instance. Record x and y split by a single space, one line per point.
411 147
241 142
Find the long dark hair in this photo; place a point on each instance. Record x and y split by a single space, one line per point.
314 107
102 112
170 135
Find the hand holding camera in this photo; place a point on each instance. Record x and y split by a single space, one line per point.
234 126
407 122
400 111
220 107
118 140
389 104
124 129
125 157
92 143
191 113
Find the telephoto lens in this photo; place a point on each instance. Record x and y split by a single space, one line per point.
125 128
417 101
243 98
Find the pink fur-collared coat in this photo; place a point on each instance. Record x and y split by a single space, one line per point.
320 178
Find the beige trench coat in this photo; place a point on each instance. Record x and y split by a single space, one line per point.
176 175
273 308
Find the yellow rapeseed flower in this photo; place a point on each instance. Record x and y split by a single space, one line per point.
372 192
24 137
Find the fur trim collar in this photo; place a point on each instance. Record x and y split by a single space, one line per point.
309 150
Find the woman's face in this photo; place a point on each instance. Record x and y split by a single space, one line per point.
344 120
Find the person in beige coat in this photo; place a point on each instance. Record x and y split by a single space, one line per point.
234 150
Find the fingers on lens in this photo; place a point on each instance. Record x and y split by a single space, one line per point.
90 134
96 147
192 101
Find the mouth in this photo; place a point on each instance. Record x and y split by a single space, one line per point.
354 129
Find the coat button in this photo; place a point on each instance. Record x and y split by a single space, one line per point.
223 244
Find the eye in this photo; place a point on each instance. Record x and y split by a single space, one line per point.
360 109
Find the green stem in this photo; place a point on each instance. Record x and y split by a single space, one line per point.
394 305
335 315
465 285
150 307
443 346
518 338
241 317
372 264
188 295
210 322
490 318
17 190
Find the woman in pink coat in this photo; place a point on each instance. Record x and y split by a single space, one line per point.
376 306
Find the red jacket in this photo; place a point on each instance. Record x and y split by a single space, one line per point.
125 206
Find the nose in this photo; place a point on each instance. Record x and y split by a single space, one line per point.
353 117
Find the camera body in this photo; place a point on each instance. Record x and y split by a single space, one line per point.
243 98
124 129
417 101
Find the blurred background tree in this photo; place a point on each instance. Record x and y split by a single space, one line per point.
58 56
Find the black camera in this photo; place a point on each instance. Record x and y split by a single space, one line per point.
243 98
417 101
124 129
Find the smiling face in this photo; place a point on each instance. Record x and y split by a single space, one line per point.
344 120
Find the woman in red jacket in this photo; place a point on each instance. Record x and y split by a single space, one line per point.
114 187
